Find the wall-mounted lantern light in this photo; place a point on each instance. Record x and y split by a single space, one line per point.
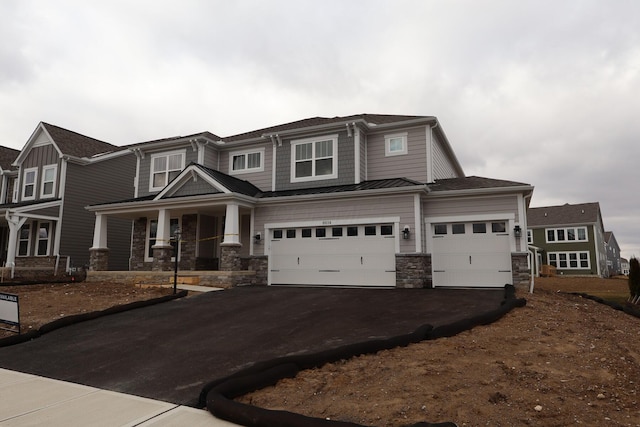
258 237
517 231
406 232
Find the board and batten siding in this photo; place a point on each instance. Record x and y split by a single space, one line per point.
102 182
261 179
442 166
191 155
44 155
346 162
401 206
412 165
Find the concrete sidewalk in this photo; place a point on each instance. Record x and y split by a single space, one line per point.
30 400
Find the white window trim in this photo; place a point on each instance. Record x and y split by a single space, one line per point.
50 232
387 144
568 267
147 238
24 183
313 177
246 168
566 240
55 178
26 224
16 191
166 154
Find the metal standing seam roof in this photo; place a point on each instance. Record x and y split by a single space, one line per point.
583 213
472 183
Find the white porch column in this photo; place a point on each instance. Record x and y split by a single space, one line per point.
100 232
164 228
232 225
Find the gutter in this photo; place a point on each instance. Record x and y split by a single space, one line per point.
477 191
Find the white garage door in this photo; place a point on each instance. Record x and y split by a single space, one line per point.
358 255
474 254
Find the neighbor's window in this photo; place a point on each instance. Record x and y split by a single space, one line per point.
314 159
48 180
29 183
24 240
395 145
246 161
164 168
570 260
565 235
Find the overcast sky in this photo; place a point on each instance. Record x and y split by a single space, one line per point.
541 92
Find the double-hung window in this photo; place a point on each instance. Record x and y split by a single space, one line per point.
152 234
43 238
164 168
578 260
48 186
246 161
29 183
314 159
395 145
24 240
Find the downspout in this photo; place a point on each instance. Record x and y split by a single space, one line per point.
534 255
534 260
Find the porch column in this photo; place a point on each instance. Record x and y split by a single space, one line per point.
163 250
15 222
230 248
99 252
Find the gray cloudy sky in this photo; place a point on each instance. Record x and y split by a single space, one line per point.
542 92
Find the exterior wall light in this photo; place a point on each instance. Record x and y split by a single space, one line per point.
517 231
406 232
257 237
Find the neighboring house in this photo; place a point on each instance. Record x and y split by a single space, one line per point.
569 237
614 264
43 220
624 266
9 174
363 200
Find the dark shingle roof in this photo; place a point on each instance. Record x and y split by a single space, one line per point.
231 183
77 145
583 213
376 119
7 156
471 183
366 185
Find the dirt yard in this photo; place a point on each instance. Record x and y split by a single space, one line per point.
561 360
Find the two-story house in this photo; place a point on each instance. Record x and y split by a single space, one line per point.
43 217
363 200
570 238
614 262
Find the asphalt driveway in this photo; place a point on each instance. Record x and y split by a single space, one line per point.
170 350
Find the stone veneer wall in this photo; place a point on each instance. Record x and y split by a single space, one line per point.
188 242
520 270
217 279
413 271
138 243
258 264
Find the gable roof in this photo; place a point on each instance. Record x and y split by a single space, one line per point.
78 145
472 183
231 183
582 213
7 156
371 119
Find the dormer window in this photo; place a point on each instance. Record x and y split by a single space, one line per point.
395 145
314 158
246 161
164 168
29 184
48 180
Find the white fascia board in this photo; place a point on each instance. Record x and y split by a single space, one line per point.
343 195
162 145
44 205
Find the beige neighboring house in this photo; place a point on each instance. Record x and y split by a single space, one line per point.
367 200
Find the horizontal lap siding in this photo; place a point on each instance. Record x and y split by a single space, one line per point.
263 179
412 165
442 166
469 206
391 206
211 157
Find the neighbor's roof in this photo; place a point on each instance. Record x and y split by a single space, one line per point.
472 183
373 119
7 156
77 145
583 213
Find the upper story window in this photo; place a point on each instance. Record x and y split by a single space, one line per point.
314 158
47 189
246 161
569 234
164 168
395 145
29 183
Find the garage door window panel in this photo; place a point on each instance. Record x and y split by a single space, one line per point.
479 228
440 229
277 234
458 229
498 227
352 231
321 232
386 230
370 230
306 232
336 232
291 234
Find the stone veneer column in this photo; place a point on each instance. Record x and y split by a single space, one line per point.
230 257
99 259
162 258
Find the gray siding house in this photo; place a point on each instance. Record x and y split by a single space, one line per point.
614 261
43 222
362 200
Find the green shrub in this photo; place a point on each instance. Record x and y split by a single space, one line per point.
634 277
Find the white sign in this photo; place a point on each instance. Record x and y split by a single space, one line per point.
9 309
